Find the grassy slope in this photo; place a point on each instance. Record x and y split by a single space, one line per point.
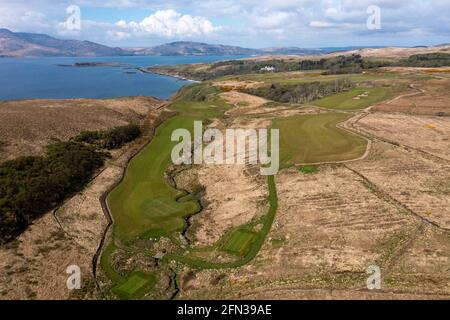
239 243
346 101
144 203
315 138
136 285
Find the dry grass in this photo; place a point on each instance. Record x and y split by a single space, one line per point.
333 224
426 133
27 126
329 229
434 100
234 195
419 183
34 265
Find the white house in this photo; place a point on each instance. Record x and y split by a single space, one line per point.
268 69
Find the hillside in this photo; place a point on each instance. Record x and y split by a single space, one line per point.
184 48
19 44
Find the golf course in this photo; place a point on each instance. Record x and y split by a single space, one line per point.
146 206
358 98
316 139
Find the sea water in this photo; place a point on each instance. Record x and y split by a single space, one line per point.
56 78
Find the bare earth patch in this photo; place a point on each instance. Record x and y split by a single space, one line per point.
254 112
244 103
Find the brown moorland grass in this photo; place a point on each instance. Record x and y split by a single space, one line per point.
420 183
434 100
34 265
26 126
329 229
426 133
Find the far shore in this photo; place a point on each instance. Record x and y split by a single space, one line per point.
167 74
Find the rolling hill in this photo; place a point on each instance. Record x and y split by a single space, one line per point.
186 48
19 44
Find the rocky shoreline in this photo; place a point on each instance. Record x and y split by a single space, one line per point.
166 73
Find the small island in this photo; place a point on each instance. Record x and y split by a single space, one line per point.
94 64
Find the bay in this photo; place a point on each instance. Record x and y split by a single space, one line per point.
45 78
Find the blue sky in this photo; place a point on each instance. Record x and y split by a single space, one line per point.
250 23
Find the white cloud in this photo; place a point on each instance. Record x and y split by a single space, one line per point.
252 23
272 20
169 24
321 24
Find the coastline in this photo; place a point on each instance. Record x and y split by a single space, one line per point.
167 74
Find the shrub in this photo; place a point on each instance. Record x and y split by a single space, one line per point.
117 137
30 186
110 139
300 93
309 169
90 137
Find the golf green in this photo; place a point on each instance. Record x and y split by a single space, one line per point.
359 98
315 138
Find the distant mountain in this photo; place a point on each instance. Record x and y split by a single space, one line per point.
19 44
443 45
186 48
291 51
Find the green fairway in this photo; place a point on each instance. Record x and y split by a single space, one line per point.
240 242
136 285
315 138
359 98
144 204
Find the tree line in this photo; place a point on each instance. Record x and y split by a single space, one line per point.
301 93
350 64
31 186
